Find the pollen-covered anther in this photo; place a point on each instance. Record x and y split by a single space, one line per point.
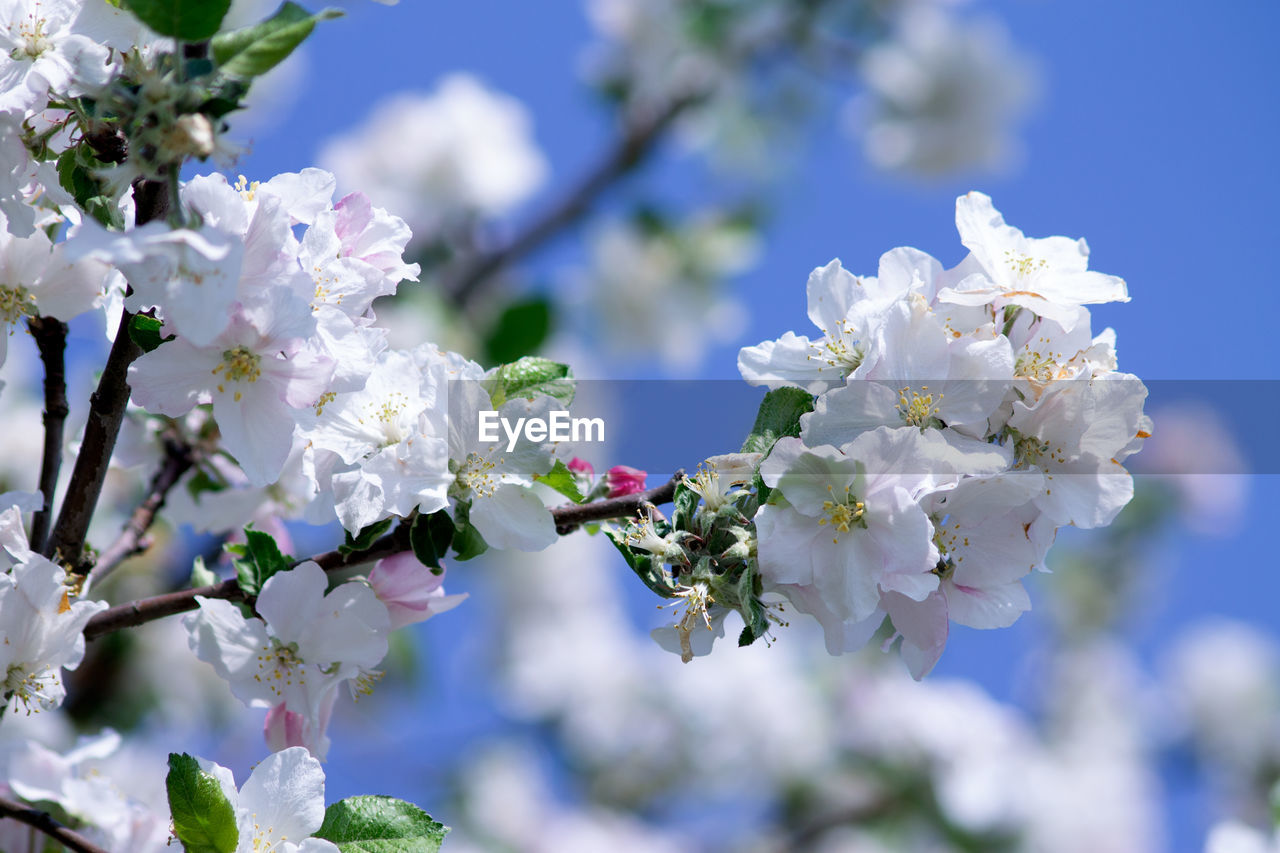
917 409
1024 265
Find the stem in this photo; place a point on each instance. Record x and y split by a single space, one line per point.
50 827
632 148
179 456
51 338
106 412
566 518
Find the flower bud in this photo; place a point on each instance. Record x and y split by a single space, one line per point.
410 591
624 480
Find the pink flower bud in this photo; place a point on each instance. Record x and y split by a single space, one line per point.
624 480
581 467
410 590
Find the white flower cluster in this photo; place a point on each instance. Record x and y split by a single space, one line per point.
962 416
41 620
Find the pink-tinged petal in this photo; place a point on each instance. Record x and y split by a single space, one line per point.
986 607
283 728
171 379
785 546
582 467
257 430
923 626
410 591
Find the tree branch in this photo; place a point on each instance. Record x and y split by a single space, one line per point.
50 827
106 412
567 518
51 339
637 142
179 456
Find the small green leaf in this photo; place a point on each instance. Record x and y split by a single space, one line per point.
201 575
467 541
78 174
648 569
257 560
531 377
562 480
365 538
381 825
430 536
145 332
185 20
753 612
779 416
250 52
686 504
519 330
203 819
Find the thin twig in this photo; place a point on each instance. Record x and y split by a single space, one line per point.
179 456
636 143
106 412
51 339
45 823
566 519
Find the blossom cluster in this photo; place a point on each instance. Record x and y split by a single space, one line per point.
945 424
961 417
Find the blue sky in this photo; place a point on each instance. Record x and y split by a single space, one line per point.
1155 138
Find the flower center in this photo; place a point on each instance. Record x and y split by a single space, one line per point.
840 350
843 513
239 364
16 303
478 474
279 667
32 43
1023 265
1035 366
29 687
916 409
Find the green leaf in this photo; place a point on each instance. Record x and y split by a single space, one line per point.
185 20
380 825
257 560
430 536
145 332
519 330
78 174
365 538
530 377
253 51
562 480
201 575
778 416
203 819
646 567
753 612
467 541
686 504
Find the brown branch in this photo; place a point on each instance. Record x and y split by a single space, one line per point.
179 456
51 339
637 142
106 412
567 518
570 516
45 823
